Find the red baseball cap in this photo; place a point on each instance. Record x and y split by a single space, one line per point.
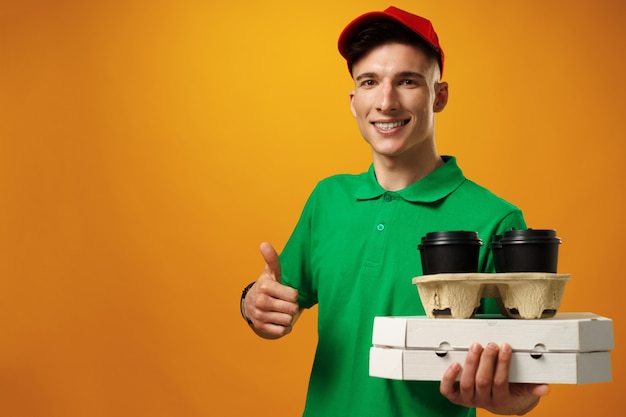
419 25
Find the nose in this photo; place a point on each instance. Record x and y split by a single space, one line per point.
388 99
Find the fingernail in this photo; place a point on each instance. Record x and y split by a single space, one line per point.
476 348
455 366
505 347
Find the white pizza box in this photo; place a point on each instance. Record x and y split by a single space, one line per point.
565 332
526 367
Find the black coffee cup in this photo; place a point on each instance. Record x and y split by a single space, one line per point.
449 252
529 250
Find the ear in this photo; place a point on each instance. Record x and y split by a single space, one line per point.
441 97
352 103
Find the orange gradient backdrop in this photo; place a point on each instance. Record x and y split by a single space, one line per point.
148 147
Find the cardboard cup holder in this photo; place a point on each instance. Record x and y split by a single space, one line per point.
520 295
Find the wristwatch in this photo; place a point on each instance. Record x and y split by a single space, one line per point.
243 297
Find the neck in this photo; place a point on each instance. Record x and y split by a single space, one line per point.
395 174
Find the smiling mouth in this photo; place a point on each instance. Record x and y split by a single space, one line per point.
389 125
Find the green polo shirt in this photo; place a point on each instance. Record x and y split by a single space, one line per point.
354 254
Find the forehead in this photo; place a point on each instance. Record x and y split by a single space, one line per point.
394 58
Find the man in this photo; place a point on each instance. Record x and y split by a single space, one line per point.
354 249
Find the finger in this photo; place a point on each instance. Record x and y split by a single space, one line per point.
272 264
277 318
485 373
448 386
274 330
277 297
468 376
519 389
500 386
540 390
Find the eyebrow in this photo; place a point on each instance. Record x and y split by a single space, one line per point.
365 75
403 74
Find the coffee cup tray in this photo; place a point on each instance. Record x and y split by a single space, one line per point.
522 295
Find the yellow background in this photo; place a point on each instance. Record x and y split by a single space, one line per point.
148 147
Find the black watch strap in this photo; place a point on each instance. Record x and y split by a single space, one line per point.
243 297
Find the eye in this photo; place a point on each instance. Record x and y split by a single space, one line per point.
367 83
408 82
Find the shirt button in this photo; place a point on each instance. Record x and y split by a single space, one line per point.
380 227
387 198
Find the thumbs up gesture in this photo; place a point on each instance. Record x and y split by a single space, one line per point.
272 264
271 306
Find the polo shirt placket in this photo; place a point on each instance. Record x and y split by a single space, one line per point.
387 206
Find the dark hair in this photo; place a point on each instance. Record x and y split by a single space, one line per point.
383 32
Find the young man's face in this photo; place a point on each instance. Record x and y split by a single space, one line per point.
395 97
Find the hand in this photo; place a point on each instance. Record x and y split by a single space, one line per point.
484 382
271 306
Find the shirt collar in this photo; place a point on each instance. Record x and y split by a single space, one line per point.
435 186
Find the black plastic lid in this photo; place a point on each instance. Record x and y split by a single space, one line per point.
530 236
451 237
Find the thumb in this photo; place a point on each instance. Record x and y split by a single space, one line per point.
540 390
272 264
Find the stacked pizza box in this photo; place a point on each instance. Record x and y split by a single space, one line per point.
558 348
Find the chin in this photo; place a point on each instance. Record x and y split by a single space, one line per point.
388 153
389 149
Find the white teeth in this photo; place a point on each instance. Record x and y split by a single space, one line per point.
388 126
